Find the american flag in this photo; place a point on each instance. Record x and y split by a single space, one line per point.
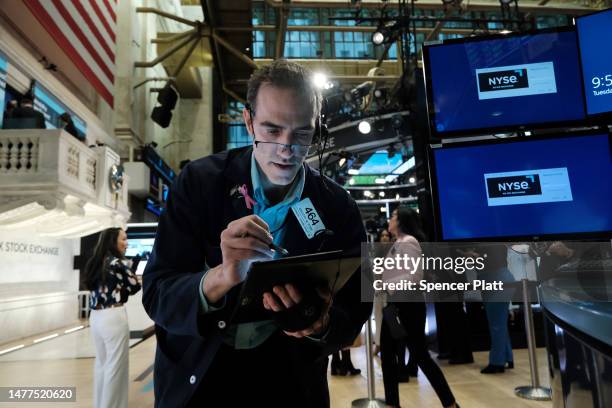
85 30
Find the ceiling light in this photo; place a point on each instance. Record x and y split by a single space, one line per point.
365 127
378 38
383 209
353 172
380 181
341 162
351 181
411 180
320 80
381 194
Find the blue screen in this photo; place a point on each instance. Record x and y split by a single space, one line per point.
594 36
3 68
52 108
505 82
525 188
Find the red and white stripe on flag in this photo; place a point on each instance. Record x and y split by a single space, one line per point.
85 30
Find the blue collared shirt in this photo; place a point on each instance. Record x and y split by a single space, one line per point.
251 335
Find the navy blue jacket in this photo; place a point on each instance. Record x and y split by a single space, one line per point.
201 203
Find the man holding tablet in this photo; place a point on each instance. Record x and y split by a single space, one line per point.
224 212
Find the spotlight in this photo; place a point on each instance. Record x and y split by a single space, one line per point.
365 127
385 32
411 180
352 181
381 194
162 116
167 97
353 172
378 38
383 209
380 181
367 194
320 80
341 162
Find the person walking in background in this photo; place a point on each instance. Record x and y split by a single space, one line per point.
496 306
111 281
379 299
406 320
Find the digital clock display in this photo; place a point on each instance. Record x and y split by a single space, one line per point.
594 37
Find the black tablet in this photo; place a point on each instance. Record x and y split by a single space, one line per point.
327 269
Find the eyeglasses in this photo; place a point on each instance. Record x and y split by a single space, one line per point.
299 150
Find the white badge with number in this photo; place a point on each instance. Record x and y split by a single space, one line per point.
308 217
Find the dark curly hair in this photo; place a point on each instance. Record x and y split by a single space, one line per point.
284 74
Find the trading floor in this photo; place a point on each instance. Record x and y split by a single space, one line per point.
68 361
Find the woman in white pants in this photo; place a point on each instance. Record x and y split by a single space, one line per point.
110 280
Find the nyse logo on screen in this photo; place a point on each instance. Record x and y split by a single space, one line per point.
509 186
533 186
500 80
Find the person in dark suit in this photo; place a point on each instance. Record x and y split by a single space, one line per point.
67 124
223 212
10 107
25 110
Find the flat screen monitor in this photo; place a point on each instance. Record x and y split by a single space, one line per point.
380 163
530 188
503 83
594 37
140 247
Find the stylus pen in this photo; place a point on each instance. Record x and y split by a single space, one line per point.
275 247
